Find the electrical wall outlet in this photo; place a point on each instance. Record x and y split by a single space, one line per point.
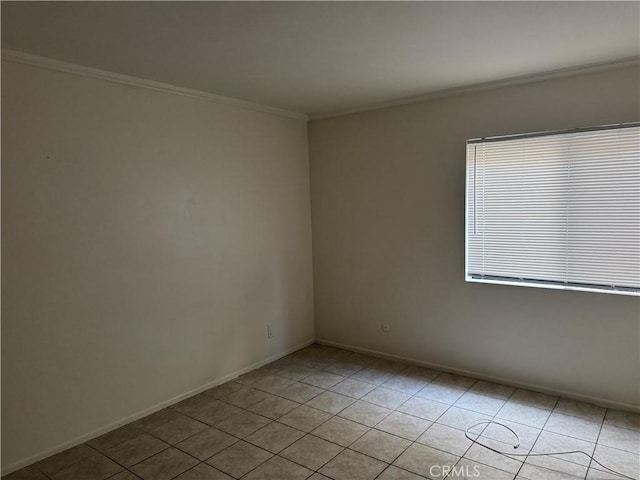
386 327
269 331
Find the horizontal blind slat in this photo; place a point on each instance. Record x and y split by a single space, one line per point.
561 208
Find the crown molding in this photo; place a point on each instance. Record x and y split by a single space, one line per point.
477 87
72 68
61 66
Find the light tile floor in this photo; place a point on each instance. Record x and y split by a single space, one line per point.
325 413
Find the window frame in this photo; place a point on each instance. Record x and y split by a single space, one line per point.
553 285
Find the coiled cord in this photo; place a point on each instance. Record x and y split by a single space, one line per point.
517 445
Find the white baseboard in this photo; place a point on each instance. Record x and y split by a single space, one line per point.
480 376
148 411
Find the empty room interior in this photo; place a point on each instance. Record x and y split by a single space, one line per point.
320 240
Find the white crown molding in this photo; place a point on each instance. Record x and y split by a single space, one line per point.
66 67
61 66
477 87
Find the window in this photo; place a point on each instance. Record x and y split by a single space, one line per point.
556 209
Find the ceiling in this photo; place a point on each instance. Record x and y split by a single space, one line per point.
324 57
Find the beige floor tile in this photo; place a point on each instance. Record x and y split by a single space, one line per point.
341 431
404 425
312 452
365 413
425 461
165 465
245 397
524 414
304 418
135 450
295 372
274 407
272 383
416 371
594 474
590 412
274 437
618 460
223 390
535 472
27 473
353 388
549 442
380 445
534 399
395 473
469 470
344 368
242 424
57 462
323 379
478 453
423 408
279 469
386 397
573 426
203 472
526 435
480 403
456 381
441 393
331 402
96 467
553 468
620 438
239 459
252 378
207 443
405 384
339 412
193 404
492 389
372 375
114 438
619 418
213 411
124 476
299 392
389 365
178 429
350 465
156 420
445 438
460 418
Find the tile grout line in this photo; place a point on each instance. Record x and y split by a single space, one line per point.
383 366
380 385
493 417
538 437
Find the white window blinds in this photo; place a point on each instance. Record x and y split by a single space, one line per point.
560 209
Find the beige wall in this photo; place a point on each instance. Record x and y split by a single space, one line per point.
387 196
148 239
